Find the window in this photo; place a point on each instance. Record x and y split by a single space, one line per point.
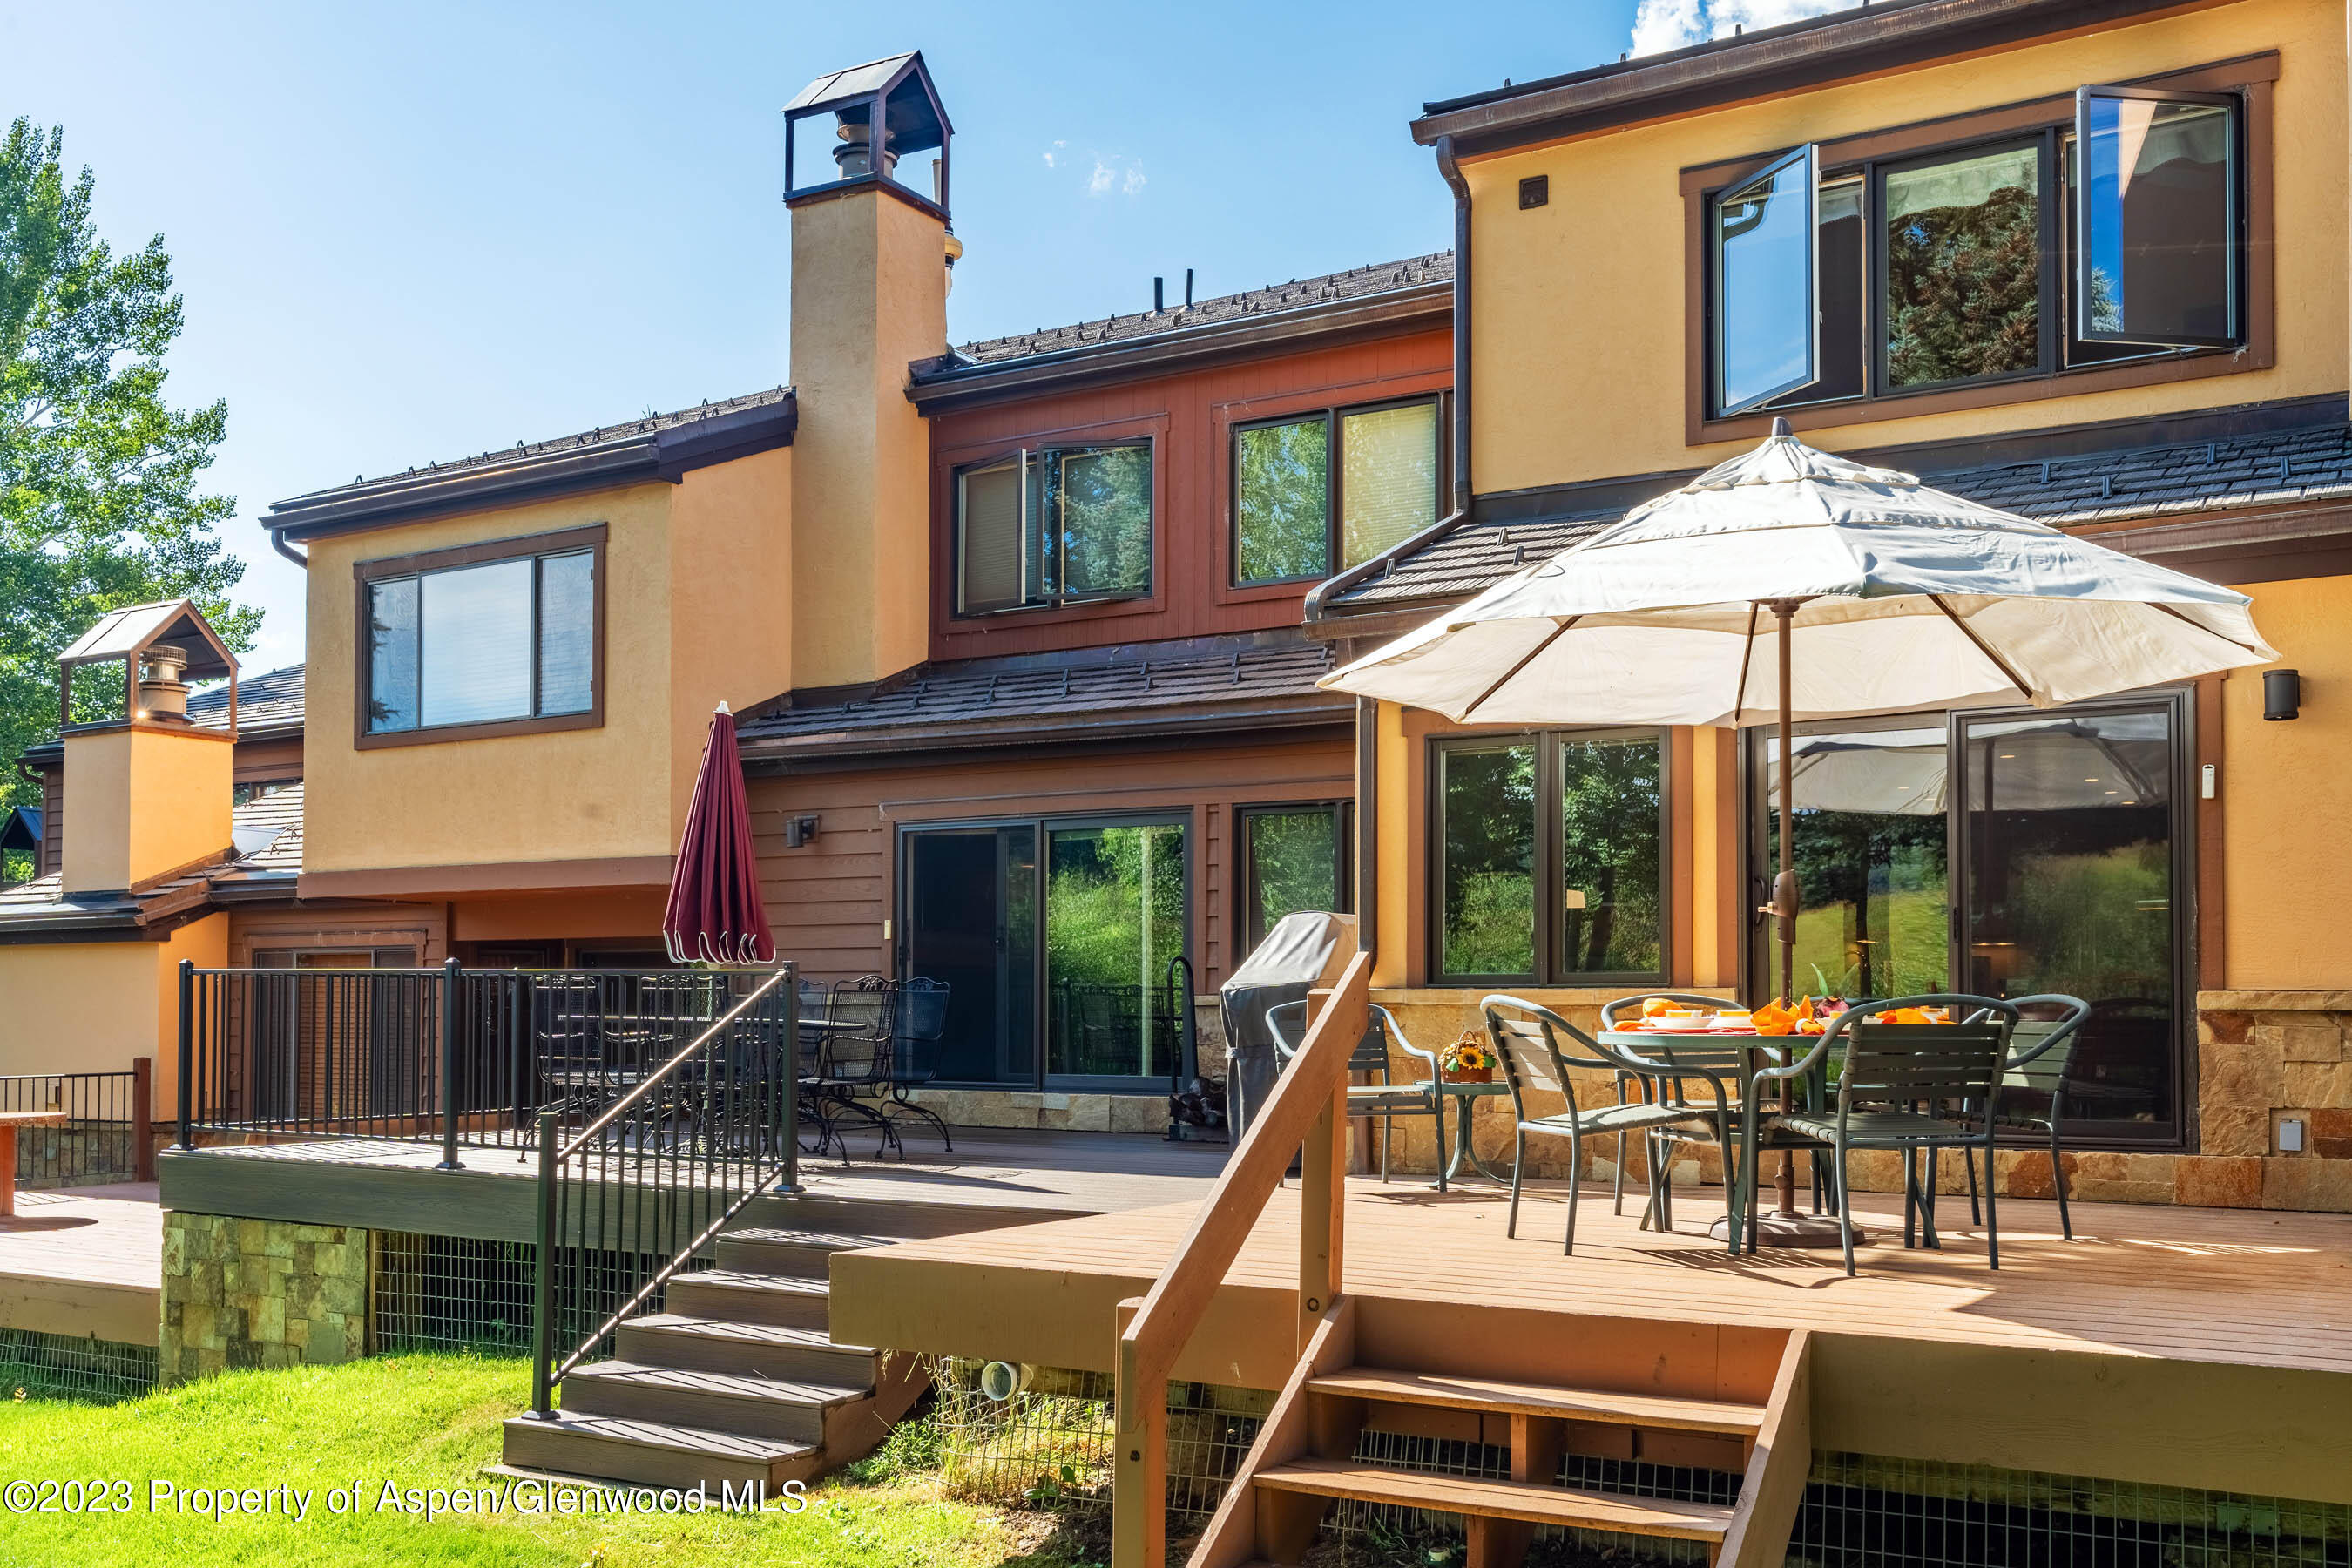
2118 235
1294 858
1318 492
1551 862
502 634
1055 526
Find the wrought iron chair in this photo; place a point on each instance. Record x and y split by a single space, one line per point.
1527 1042
853 1063
920 1019
1914 1088
1385 1098
1731 1060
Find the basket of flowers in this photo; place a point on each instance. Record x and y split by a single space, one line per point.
1469 1059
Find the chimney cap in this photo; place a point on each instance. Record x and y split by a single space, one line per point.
128 634
917 121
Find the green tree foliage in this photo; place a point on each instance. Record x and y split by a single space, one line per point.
1284 493
98 503
1963 289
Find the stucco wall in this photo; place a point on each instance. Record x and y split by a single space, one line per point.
1578 306
95 1007
144 802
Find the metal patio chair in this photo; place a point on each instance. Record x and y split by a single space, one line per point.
2038 1083
1914 1088
1527 1039
1731 1059
853 1063
918 1021
1386 1098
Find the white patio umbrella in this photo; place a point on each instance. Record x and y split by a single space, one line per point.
1788 584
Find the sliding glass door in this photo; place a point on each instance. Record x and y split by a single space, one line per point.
1057 939
2006 853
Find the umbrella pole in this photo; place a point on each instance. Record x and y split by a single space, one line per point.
1785 1227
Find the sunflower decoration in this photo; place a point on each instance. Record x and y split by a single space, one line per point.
1468 1059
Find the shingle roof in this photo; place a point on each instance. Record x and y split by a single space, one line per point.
1299 293
2305 463
624 431
268 701
1138 686
275 861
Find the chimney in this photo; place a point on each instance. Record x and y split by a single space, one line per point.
147 792
870 259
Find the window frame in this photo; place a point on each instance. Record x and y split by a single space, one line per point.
1334 416
1040 456
1549 872
2250 78
1807 158
591 540
2076 193
1245 880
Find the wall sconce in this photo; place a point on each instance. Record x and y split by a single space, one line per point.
2282 694
799 830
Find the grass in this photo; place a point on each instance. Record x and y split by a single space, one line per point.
432 1421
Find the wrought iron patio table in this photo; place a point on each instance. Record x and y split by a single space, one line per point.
1465 1151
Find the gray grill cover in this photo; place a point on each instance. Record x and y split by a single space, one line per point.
1284 968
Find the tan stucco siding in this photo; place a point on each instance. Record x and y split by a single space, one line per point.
2286 815
570 795
730 574
144 802
1578 306
95 1007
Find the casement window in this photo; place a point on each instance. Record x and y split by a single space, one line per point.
2117 236
1053 526
495 638
1549 859
1314 493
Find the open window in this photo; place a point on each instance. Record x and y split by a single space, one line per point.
1765 246
1051 527
2156 218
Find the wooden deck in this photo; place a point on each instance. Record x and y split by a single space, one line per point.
83 1261
992 1179
2175 1332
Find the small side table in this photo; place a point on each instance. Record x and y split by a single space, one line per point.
1466 1098
10 1122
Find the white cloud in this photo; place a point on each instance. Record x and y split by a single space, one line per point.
1662 25
1113 171
1054 154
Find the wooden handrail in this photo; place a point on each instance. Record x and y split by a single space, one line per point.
1308 1107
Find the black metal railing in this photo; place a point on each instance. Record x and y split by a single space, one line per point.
650 1180
465 1058
104 1134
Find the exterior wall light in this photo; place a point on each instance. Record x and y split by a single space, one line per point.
2282 694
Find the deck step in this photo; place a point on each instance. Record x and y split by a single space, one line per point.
653 1453
1510 1398
787 1300
786 1410
1567 1507
802 1254
763 1350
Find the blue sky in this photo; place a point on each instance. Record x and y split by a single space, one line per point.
406 233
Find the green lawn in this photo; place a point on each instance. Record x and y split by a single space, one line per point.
423 1422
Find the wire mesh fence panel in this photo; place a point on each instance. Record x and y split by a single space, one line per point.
1861 1512
97 1139
34 1365
453 1292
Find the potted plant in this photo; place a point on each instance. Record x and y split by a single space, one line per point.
1468 1059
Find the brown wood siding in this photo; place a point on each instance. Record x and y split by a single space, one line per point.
1189 416
827 899
338 926
53 820
263 761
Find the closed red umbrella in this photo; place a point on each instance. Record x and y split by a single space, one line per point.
714 914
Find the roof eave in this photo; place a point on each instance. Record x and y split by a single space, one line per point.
898 741
1180 348
655 456
1794 55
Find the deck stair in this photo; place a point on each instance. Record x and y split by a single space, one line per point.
1308 1456
737 1383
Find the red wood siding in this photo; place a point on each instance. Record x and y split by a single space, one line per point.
1189 416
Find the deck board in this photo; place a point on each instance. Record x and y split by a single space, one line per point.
2260 1289
87 1260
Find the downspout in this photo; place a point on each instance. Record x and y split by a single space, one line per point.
278 542
1452 171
